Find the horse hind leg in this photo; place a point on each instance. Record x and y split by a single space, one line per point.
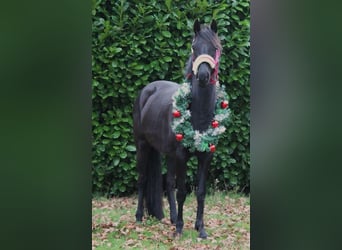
142 152
202 172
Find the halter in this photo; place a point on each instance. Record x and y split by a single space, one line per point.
211 61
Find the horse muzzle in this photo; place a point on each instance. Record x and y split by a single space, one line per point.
203 59
203 75
203 66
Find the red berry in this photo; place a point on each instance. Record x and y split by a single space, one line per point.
214 124
224 104
179 137
212 148
176 114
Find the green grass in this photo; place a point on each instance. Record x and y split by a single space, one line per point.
226 218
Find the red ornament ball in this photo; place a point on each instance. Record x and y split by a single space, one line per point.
214 124
179 137
212 148
224 104
176 114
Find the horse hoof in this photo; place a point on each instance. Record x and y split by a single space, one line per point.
202 234
177 236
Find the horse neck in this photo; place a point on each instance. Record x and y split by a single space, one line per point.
202 105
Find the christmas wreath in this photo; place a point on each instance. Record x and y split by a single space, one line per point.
181 123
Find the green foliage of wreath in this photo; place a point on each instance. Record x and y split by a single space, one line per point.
181 124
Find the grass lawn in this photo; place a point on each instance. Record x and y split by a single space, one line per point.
226 218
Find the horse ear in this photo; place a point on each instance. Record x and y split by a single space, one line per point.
213 26
197 26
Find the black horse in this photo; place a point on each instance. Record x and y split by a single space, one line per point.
153 134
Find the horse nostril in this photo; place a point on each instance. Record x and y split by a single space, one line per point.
203 76
207 76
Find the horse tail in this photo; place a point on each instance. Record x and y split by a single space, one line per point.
154 189
149 162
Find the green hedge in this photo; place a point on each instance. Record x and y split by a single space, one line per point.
136 42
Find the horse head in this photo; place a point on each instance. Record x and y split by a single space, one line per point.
206 49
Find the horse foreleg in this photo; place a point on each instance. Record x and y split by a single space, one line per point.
202 172
181 193
199 224
170 189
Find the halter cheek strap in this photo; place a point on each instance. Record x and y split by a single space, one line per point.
211 61
214 77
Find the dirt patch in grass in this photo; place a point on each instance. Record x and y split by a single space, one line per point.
226 218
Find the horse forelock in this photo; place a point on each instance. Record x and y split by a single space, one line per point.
210 36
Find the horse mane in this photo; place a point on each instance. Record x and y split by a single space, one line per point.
207 34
